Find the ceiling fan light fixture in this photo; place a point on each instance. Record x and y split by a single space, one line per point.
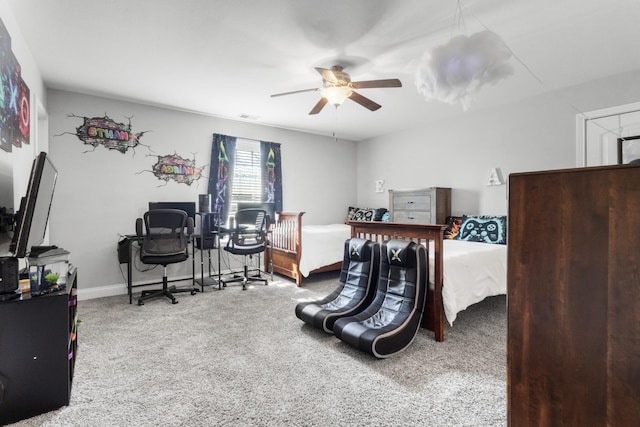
336 94
337 86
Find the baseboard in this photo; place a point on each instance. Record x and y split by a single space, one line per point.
102 291
118 289
121 289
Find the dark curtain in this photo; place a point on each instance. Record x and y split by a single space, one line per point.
223 154
271 173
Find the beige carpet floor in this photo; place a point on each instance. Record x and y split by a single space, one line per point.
242 358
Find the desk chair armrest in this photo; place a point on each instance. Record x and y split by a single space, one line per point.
139 232
190 227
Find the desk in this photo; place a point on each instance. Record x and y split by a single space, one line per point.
125 256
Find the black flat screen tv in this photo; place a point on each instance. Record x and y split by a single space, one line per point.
35 206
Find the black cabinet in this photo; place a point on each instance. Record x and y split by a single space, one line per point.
38 348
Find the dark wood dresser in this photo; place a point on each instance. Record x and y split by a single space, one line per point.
573 349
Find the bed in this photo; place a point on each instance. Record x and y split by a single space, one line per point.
323 247
461 273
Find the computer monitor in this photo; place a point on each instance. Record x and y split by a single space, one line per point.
35 206
270 207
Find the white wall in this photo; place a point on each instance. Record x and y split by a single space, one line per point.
534 134
100 193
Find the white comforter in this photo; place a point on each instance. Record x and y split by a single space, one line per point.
472 270
322 245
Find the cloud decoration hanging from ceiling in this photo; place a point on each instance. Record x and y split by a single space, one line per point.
453 72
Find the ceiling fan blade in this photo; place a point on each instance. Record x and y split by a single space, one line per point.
319 106
376 83
327 75
295 91
364 101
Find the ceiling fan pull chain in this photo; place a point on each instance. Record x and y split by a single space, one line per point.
335 123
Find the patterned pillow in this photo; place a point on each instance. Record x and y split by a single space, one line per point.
365 214
351 213
485 228
452 232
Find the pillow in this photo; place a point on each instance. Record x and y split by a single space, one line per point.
379 214
365 214
484 228
453 227
351 213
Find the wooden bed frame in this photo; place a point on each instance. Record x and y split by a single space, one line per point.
285 248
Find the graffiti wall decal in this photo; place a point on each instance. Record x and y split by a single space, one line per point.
178 169
107 132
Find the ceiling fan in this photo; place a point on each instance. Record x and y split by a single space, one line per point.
337 86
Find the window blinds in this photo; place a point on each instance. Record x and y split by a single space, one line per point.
247 178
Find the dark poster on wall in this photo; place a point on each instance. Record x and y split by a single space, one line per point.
14 97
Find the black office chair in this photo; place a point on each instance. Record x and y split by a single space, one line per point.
248 238
164 242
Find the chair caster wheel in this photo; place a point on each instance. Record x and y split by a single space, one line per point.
175 301
140 302
194 292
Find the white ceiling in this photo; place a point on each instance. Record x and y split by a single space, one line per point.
225 58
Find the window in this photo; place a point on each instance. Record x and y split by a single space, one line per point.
243 170
247 175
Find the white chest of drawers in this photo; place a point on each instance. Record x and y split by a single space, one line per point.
420 206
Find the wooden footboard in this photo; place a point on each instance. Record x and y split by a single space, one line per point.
433 317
